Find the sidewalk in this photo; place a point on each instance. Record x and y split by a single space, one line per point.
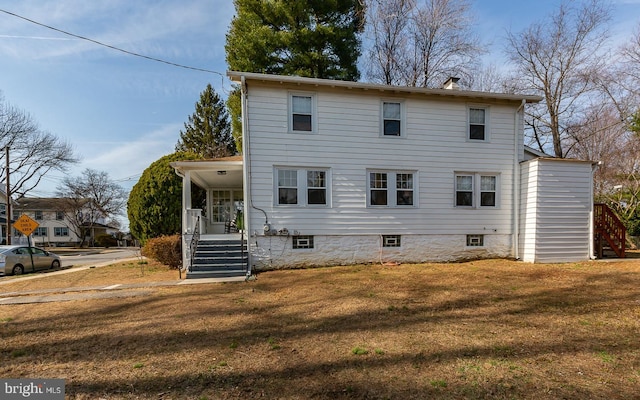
93 292
99 292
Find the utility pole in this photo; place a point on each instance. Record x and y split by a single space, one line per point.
8 209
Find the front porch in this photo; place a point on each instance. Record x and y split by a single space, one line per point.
213 242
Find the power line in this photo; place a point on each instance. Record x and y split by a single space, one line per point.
112 47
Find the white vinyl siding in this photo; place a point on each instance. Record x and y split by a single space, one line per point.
556 207
349 141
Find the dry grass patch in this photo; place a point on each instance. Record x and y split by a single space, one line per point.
488 329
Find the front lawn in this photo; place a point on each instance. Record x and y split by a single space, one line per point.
490 329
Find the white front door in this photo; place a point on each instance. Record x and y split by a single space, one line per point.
223 206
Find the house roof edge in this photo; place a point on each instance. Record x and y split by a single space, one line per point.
237 76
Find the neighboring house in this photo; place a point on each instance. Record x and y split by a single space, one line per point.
3 214
337 172
55 228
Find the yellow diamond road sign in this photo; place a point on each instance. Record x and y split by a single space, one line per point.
25 225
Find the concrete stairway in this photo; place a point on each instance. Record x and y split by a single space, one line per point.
220 258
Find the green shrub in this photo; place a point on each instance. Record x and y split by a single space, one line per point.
154 207
106 240
165 249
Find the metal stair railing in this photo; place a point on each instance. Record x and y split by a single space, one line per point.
193 245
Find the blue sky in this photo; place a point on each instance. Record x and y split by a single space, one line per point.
122 112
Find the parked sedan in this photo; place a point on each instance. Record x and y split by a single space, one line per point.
16 260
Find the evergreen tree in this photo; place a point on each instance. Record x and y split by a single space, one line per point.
154 207
208 132
310 38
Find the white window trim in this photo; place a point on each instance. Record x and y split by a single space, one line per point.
476 189
311 240
480 237
314 112
403 125
392 189
487 123
63 229
391 241
302 186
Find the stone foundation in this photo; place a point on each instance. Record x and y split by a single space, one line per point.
276 252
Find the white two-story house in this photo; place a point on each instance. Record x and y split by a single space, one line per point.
54 224
337 172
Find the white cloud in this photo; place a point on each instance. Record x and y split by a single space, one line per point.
147 27
129 159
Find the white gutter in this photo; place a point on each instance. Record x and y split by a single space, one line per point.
516 183
246 161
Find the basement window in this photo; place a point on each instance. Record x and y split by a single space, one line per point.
303 242
390 240
475 240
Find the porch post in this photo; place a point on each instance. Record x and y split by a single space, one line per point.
186 200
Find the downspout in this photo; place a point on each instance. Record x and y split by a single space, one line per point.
246 161
592 250
516 183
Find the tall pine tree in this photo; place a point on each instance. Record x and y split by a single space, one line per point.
312 38
309 38
208 132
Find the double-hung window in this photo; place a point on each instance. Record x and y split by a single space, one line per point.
302 186
301 117
478 127
392 118
40 231
476 190
391 188
60 231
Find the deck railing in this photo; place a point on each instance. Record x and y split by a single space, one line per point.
609 229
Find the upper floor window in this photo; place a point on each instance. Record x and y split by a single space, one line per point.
478 123
392 118
38 215
391 189
302 187
301 113
475 189
59 215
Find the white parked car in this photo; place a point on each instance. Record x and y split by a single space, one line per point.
16 260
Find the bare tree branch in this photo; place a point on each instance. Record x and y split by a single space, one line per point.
33 152
421 43
560 60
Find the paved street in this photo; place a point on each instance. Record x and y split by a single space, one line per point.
75 260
